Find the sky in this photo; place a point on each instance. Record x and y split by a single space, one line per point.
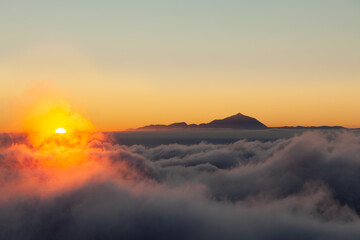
125 64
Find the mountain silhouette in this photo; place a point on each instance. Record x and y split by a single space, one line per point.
237 121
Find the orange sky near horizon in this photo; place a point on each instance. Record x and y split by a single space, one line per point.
294 106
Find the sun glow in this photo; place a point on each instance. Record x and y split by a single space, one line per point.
48 119
59 137
60 130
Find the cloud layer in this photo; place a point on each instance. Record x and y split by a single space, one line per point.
305 187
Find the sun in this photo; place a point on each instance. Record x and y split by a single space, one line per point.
60 130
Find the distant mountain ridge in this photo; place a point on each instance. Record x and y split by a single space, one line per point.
237 121
313 127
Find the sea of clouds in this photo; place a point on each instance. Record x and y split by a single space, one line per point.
303 187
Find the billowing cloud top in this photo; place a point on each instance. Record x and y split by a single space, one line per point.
304 187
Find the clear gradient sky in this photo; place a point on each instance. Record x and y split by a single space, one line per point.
130 63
